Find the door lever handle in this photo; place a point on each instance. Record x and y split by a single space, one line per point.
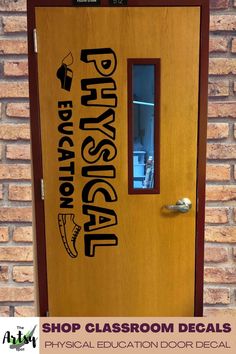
182 206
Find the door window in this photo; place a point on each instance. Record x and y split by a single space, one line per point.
144 103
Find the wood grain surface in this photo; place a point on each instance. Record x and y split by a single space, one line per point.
152 270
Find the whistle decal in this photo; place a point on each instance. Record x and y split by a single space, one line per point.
64 73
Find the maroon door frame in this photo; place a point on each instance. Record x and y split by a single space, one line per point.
36 141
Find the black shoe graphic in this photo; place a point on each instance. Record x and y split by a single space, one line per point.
69 231
64 73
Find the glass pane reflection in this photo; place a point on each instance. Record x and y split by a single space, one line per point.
143 93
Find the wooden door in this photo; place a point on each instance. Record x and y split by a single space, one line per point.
113 249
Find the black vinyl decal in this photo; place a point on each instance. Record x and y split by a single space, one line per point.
93 241
94 161
104 60
98 185
104 149
99 95
101 123
108 171
64 73
69 231
100 218
66 154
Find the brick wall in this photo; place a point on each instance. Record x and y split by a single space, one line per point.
220 251
16 267
16 256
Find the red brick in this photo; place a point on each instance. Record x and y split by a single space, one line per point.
218 88
18 110
22 274
215 254
220 193
13 24
219 312
14 131
222 66
13 46
216 296
235 214
217 172
219 4
1 154
220 234
4 311
216 215
18 152
23 234
15 68
24 311
221 151
13 5
20 214
20 192
222 23
233 47
14 89
16 294
234 253
220 275
1 191
4 275
4 234
15 172
218 44
222 109
217 130
16 254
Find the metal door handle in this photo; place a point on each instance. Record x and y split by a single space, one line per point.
182 206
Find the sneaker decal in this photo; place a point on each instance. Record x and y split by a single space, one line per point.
69 231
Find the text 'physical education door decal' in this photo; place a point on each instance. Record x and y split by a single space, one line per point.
94 161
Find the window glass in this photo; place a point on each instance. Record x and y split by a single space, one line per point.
144 125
